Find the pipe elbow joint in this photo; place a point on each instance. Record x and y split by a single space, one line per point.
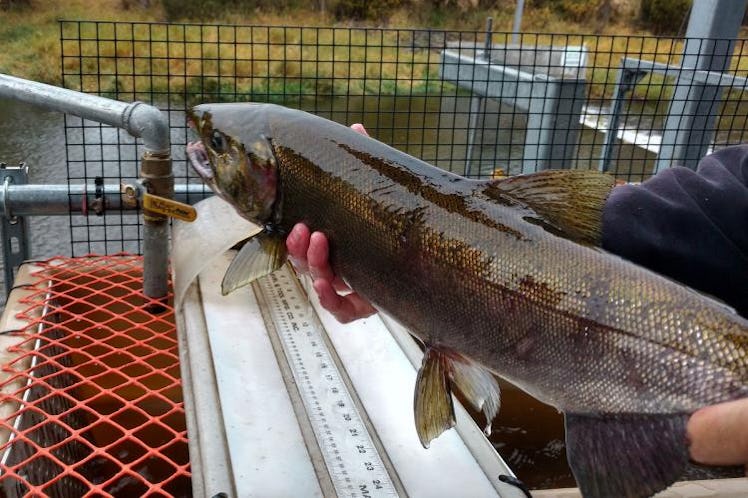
148 123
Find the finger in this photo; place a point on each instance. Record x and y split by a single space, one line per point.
358 127
297 244
344 308
340 286
719 434
318 256
319 262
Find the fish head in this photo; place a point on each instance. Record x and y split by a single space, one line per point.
234 156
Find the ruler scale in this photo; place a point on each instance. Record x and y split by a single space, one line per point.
353 462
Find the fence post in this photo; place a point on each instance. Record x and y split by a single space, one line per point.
477 103
626 80
553 123
710 38
16 248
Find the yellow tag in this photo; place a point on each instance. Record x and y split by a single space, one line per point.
168 207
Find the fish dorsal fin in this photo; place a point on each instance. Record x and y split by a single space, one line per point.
261 255
443 370
626 455
567 202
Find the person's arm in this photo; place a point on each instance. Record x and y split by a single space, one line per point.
693 227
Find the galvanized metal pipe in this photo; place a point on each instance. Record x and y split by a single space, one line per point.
140 120
58 200
14 229
517 25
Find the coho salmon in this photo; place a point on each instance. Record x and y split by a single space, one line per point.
500 276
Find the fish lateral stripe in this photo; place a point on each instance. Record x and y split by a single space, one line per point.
451 202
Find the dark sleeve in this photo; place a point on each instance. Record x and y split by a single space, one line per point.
690 226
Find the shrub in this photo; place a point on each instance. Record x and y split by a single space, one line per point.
572 10
14 4
213 9
664 17
374 10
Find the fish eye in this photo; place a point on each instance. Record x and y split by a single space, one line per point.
218 142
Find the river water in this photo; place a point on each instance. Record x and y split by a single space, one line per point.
36 137
528 434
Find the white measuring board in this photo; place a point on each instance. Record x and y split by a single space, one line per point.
282 400
258 429
347 431
352 460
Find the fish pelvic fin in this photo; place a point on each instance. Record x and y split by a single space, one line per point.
442 371
263 253
566 202
626 455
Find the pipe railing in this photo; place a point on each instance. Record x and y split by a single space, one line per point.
59 200
141 121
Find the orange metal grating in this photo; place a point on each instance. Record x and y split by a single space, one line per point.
95 387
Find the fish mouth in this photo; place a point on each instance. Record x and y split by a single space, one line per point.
199 160
196 152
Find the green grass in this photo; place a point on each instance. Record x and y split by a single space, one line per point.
240 62
245 60
224 62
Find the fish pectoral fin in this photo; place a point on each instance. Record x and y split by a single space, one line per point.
261 255
442 371
433 408
566 202
626 455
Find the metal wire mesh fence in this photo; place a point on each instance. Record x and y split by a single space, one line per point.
473 102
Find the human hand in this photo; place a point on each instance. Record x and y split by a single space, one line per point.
309 253
719 434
